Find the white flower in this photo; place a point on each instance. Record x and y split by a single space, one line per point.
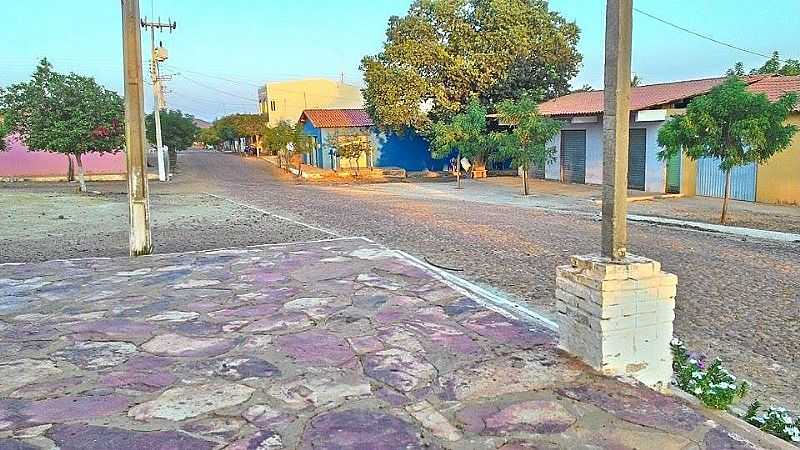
692 361
788 420
698 390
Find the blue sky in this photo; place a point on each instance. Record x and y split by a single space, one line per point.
224 49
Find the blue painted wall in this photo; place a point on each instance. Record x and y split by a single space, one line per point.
408 150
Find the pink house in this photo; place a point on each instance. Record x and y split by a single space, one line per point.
18 162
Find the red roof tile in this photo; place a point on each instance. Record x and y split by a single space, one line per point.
775 87
337 118
642 97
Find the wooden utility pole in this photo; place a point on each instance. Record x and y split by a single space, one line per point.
138 202
616 121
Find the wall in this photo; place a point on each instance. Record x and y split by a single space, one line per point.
779 179
292 97
407 150
17 161
655 170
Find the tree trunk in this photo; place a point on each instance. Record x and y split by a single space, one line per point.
458 171
300 166
70 169
81 179
725 197
525 179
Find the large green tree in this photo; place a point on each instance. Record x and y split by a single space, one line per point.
730 123
464 134
444 52
526 144
69 114
177 129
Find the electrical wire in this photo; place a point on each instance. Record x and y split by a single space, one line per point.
703 36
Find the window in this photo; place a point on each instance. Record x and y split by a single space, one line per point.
273 106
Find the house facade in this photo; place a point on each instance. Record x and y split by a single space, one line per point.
286 100
579 145
408 150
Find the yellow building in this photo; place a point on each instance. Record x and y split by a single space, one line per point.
286 100
778 179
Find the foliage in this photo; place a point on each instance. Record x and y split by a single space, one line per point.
526 144
465 133
177 129
69 114
209 136
636 81
789 67
276 139
351 146
243 125
444 52
712 384
776 421
730 123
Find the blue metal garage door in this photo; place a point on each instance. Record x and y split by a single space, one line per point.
711 180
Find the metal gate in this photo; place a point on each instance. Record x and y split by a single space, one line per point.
573 156
637 158
674 174
711 180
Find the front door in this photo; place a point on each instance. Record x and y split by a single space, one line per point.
637 158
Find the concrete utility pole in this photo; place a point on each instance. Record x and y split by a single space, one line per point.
158 93
616 120
138 202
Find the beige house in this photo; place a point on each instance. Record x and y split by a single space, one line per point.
286 100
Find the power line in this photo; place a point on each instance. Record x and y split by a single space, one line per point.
703 36
215 89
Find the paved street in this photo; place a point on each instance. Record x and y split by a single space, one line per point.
341 344
737 299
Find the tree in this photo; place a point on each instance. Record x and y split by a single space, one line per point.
177 129
526 143
68 114
209 136
301 144
790 67
351 146
465 133
444 52
636 81
732 124
276 139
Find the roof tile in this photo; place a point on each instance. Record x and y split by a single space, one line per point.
337 118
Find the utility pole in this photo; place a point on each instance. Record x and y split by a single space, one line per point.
158 93
616 120
138 202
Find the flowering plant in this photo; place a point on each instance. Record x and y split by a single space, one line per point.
711 383
775 421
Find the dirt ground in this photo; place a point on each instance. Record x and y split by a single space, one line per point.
38 225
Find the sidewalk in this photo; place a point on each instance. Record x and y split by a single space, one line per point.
330 344
745 218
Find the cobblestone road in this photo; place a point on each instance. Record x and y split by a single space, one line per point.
737 299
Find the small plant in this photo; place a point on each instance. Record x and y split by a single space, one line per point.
711 383
775 421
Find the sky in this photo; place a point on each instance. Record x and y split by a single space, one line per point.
222 51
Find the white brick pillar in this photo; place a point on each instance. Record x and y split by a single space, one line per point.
617 316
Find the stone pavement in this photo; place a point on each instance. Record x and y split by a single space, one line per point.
337 344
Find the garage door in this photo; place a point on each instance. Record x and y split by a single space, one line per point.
637 151
711 180
573 156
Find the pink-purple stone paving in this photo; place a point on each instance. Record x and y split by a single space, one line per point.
328 345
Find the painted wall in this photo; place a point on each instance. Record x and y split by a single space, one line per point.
408 150
17 161
292 97
779 179
655 170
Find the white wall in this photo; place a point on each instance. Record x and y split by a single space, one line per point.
655 170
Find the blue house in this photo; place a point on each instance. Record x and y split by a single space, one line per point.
408 150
